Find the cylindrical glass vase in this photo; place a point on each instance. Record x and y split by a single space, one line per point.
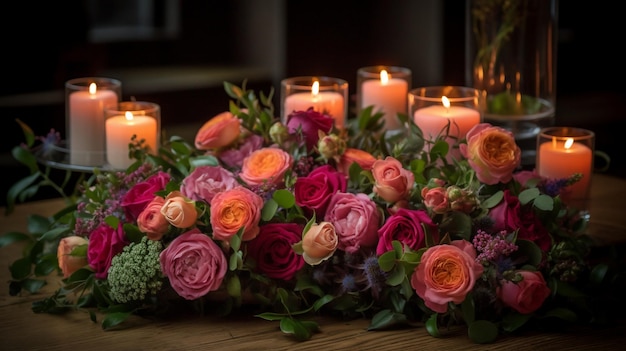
511 58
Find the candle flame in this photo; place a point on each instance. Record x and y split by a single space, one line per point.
445 101
129 116
384 77
92 88
568 143
315 89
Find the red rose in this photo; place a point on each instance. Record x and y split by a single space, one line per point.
309 122
273 253
142 193
104 243
406 226
315 190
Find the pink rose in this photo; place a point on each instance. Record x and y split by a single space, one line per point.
142 193
391 181
273 253
266 166
309 122
436 199
523 177
319 243
492 153
219 131
314 191
234 209
406 226
67 262
527 295
356 218
104 243
194 264
446 273
363 158
233 157
509 215
151 221
179 211
206 181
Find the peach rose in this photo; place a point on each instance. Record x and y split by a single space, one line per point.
492 153
221 130
319 243
234 209
151 221
179 211
527 295
363 158
436 199
67 262
391 181
446 273
266 166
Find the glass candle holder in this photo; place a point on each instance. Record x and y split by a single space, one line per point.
128 123
446 112
562 152
85 101
324 94
385 88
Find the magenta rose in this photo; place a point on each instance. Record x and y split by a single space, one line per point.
206 181
509 215
356 218
273 253
104 243
234 157
142 193
407 227
527 295
309 122
314 191
194 264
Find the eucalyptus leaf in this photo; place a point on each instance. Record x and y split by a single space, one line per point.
13 237
387 261
270 207
113 319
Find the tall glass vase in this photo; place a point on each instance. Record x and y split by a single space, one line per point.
511 58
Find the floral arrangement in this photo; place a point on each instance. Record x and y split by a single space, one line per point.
287 220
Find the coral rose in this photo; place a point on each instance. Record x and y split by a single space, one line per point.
273 252
527 295
391 181
446 273
179 211
221 130
266 166
194 264
67 262
492 153
319 243
151 221
356 218
363 158
234 209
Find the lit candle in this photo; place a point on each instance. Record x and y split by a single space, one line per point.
120 130
387 95
86 125
328 102
433 120
561 158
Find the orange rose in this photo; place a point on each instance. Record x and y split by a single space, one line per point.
221 130
234 209
151 221
179 211
68 262
363 158
265 166
392 182
319 243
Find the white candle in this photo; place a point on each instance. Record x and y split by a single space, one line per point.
120 130
328 102
561 159
387 95
433 120
86 125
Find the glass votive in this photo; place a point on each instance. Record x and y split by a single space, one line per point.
385 88
446 112
85 101
138 119
562 152
326 95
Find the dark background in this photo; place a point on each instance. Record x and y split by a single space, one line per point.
177 53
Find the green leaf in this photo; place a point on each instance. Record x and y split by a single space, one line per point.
544 202
33 285
12 237
270 207
38 224
513 321
319 303
494 200
21 268
46 265
385 319
562 313
482 332
397 276
284 198
387 261
598 274
432 326
528 195
468 309
233 286
113 319
295 327
54 234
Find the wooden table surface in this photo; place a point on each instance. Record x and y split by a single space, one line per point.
21 329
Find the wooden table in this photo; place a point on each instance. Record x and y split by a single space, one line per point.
21 329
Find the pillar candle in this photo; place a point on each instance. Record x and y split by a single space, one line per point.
387 95
561 159
86 123
329 102
119 131
432 120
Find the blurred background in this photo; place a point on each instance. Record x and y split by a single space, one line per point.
178 53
